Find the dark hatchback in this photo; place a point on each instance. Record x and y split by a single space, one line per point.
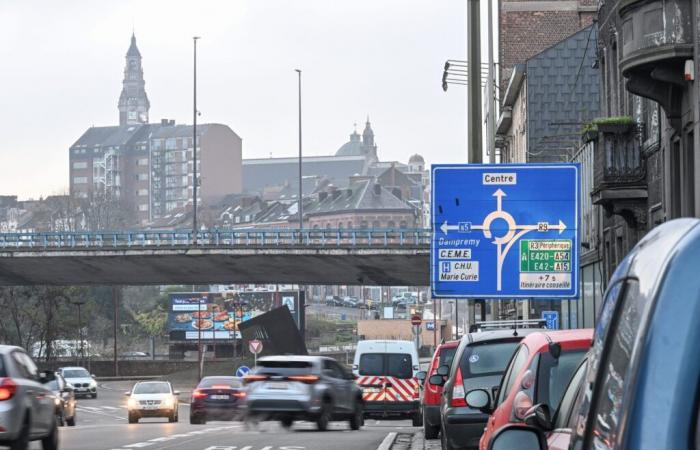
217 398
479 363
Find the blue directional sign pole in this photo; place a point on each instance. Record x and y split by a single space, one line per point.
505 231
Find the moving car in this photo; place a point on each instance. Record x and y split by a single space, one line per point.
153 399
314 388
538 373
27 406
640 388
65 400
431 394
82 381
216 398
386 372
479 362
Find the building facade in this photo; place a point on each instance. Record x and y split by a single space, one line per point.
148 169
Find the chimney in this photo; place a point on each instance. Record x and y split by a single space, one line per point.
397 192
171 122
377 189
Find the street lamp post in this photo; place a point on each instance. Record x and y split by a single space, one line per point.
194 148
300 202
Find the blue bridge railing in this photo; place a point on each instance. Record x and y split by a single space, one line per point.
219 238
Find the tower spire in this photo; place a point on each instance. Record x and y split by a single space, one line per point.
133 101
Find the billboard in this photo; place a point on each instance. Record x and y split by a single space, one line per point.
218 315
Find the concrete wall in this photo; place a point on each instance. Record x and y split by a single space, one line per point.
402 330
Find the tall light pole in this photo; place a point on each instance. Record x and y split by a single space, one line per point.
301 199
474 105
194 150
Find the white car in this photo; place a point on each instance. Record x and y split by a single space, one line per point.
82 381
153 399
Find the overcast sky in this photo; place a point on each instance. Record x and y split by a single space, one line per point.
62 67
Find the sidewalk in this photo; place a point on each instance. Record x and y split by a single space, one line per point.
415 441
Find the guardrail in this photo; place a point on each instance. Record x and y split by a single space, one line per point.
219 238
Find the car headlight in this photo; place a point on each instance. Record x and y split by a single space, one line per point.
93 384
132 403
168 403
57 401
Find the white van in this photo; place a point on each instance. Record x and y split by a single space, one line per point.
386 372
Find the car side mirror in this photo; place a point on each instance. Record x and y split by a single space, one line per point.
437 380
421 376
540 416
127 393
176 392
518 436
92 375
479 399
443 370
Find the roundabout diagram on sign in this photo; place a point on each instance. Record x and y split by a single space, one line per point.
505 231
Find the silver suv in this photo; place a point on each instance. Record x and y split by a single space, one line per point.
289 388
27 407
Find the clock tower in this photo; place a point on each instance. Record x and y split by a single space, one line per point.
133 101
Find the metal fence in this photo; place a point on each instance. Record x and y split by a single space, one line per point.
219 238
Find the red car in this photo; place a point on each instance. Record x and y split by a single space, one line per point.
430 401
538 373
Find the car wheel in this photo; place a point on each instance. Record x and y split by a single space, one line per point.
60 421
324 417
357 419
133 418
72 421
172 418
429 431
287 422
94 395
22 441
50 442
197 420
417 419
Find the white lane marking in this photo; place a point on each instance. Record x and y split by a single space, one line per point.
139 445
99 413
387 442
112 408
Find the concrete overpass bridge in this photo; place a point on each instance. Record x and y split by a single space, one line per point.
329 256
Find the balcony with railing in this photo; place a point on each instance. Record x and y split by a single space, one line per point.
619 179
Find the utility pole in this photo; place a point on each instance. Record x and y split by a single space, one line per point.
194 148
491 91
474 76
301 199
115 302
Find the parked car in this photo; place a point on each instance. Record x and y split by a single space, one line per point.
351 302
82 381
538 373
431 394
135 355
386 372
314 388
152 399
479 362
334 300
65 400
217 398
640 387
27 405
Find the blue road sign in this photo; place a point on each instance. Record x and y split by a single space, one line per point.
430 325
552 318
242 371
505 230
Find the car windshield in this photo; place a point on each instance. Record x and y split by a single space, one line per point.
397 365
76 373
224 382
276 367
554 375
152 388
488 358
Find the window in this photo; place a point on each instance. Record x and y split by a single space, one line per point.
143 177
79 180
446 357
142 162
26 367
553 376
143 207
284 368
567 401
81 194
376 224
515 367
398 365
152 388
142 192
332 370
608 407
80 165
170 144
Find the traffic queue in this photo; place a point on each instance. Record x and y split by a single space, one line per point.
631 383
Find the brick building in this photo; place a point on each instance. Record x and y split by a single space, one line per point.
148 168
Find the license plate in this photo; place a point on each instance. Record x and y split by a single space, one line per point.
373 390
220 397
150 407
276 385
